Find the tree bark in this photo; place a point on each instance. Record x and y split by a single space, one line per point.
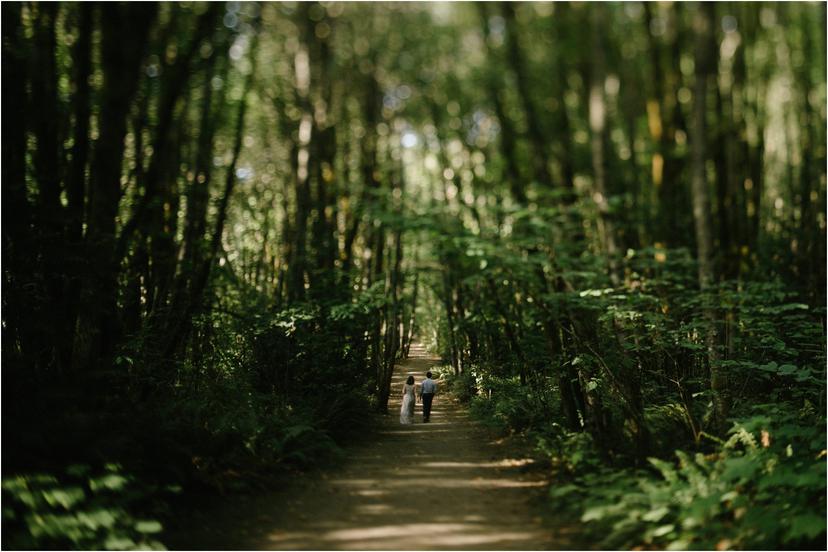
145 215
203 271
663 124
76 178
508 141
704 25
18 331
598 140
536 136
324 227
194 244
392 322
304 159
368 162
45 106
124 37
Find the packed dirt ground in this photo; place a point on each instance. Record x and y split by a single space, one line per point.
443 485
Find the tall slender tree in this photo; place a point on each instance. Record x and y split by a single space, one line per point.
704 26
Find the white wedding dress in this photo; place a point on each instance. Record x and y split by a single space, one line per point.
407 408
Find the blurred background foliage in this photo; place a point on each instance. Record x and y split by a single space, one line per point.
223 223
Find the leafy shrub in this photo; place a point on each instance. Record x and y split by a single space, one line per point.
275 391
229 430
505 405
312 352
764 488
570 453
668 428
80 509
463 386
291 441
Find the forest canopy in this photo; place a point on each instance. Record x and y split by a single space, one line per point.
223 224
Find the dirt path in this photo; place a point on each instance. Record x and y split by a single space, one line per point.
441 485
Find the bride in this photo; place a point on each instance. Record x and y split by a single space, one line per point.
407 408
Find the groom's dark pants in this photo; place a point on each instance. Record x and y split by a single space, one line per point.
427 398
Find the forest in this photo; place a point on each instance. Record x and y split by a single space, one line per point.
225 223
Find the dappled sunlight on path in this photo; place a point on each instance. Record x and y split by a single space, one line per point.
441 485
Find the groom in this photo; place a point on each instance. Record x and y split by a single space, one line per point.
427 390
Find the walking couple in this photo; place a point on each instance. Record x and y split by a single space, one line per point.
426 392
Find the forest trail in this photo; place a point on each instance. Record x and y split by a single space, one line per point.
442 485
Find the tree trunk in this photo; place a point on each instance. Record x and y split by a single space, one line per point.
145 215
194 244
82 68
18 327
203 272
47 164
564 375
303 159
391 346
324 131
514 343
124 36
45 106
666 166
76 177
410 319
368 162
704 25
598 140
508 141
536 138
724 201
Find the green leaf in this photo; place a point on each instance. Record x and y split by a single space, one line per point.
119 542
740 468
663 530
98 518
593 514
66 497
656 514
111 481
78 470
769 367
28 498
667 470
562 490
807 525
787 369
148 526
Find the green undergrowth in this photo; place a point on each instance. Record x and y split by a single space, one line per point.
620 401
264 398
760 487
82 508
186 454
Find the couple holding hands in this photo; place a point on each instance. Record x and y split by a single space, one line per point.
426 392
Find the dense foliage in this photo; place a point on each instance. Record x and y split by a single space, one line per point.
224 222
